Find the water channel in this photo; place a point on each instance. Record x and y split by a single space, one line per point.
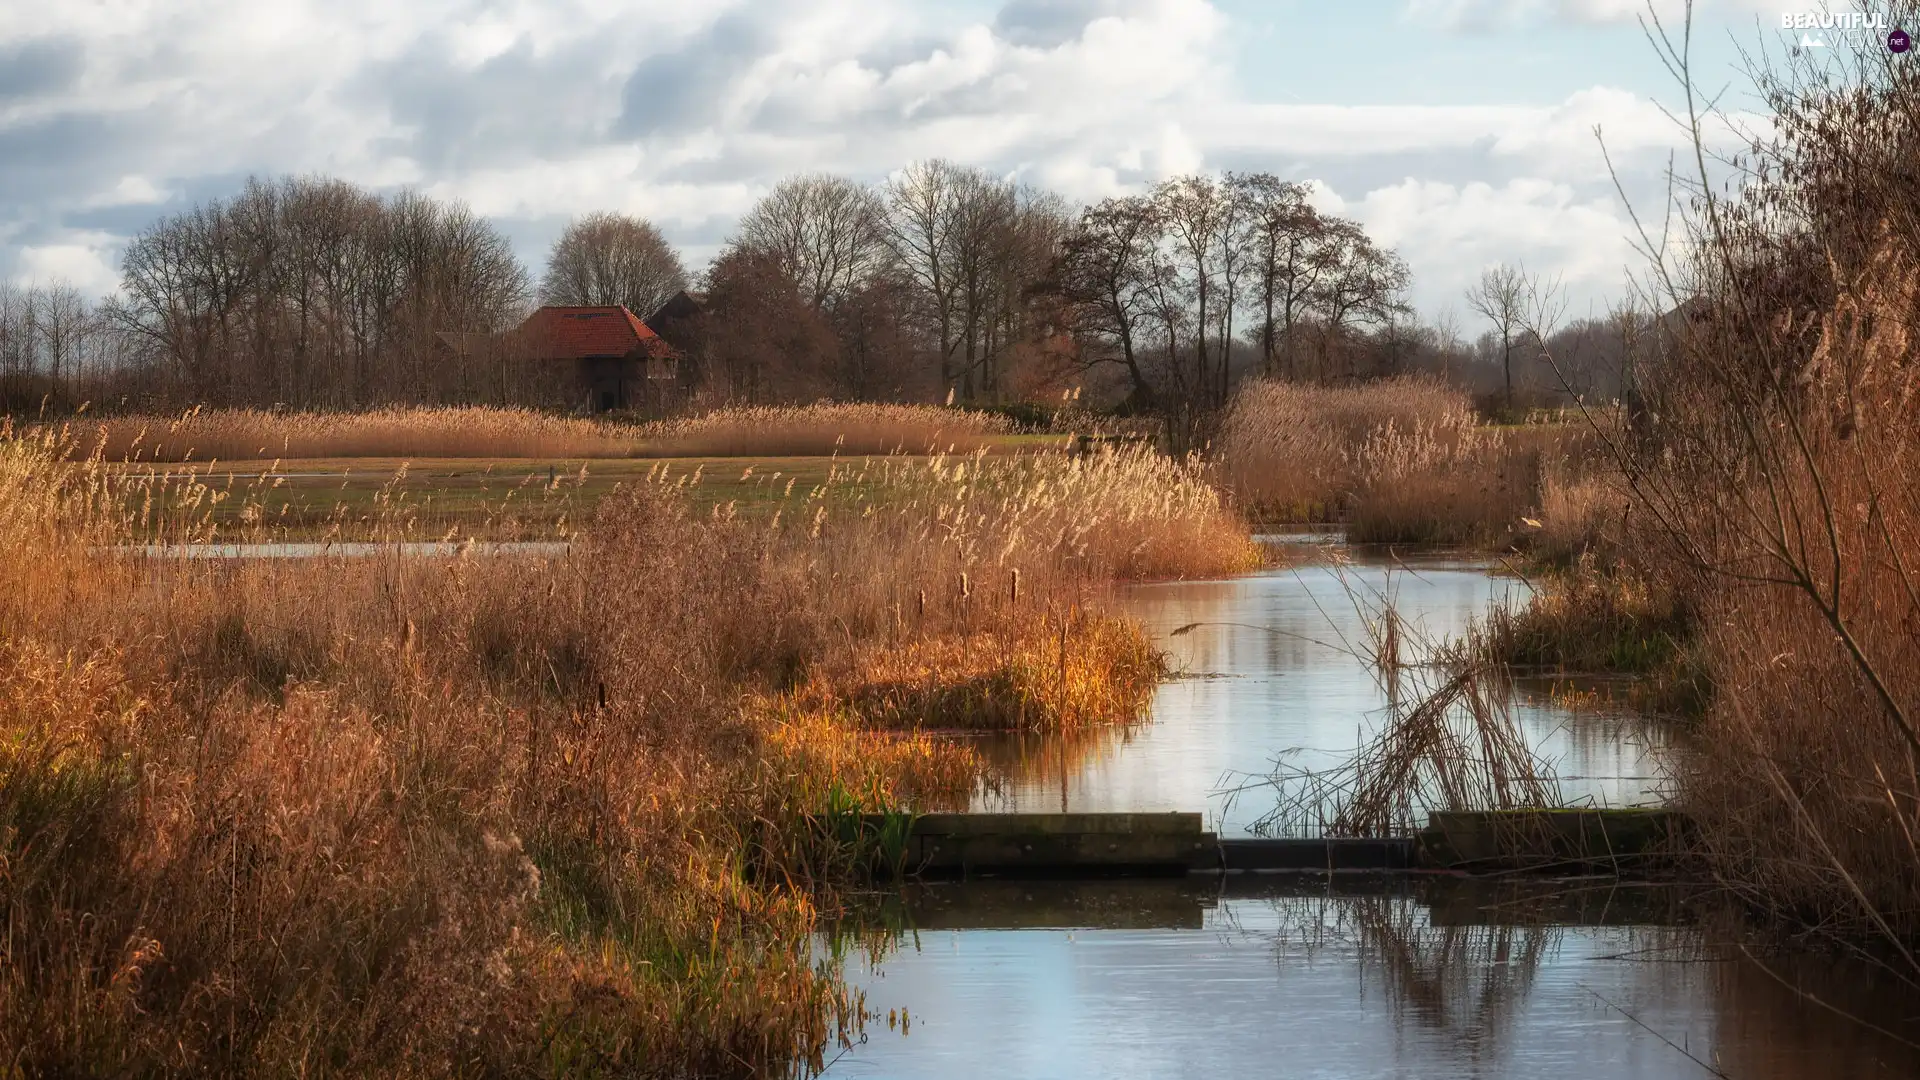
1313 976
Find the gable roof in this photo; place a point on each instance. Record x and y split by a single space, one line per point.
581 333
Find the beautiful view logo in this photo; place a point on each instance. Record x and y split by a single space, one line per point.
1836 20
1855 28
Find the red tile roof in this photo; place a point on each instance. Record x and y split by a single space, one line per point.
578 333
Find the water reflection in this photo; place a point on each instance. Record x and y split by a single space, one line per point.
1270 669
1311 976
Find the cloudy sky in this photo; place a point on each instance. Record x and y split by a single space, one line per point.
1458 131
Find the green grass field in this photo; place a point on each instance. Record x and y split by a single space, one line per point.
500 498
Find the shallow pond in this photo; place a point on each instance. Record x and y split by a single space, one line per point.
1301 975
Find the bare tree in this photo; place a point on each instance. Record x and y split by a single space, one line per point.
605 259
1361 284
1198 211
1284 234
921 222
826 232
312 292
1500 297
1104 275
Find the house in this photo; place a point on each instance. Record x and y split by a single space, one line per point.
601 358
679 318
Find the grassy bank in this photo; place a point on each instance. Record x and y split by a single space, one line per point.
506 815
1586 621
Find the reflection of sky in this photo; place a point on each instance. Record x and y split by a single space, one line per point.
1267 674
1272 990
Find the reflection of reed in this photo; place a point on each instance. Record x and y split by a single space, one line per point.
1052 760
1464 982
1807 1015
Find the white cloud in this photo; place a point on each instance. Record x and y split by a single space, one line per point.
1450 233
536 111
1467 15
85 263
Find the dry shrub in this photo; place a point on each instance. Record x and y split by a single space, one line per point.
823 429
1799 543
1449 741
1776 469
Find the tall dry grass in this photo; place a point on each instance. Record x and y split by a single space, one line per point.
1792 520
486 432
1294 452
1773 482
815 430
258 435
548 815
1449 740
1399 461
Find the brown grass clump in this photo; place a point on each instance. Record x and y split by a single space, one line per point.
1591 620
1049 673
1449 741
1583 513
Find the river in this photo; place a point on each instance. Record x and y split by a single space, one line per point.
1334 977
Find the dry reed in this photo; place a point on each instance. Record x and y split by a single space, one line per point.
1400 461
823 429
489 432
1449 741
548 814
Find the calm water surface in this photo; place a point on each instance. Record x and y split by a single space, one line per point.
1331 977
1270 670
1299 978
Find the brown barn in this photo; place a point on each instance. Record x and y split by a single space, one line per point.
588 359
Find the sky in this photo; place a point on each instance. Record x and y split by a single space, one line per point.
1459 132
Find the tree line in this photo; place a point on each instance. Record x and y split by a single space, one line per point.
942 283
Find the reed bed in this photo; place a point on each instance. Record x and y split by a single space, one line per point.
1293 452
824 429
531 814
1399 461
202 435
257 435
